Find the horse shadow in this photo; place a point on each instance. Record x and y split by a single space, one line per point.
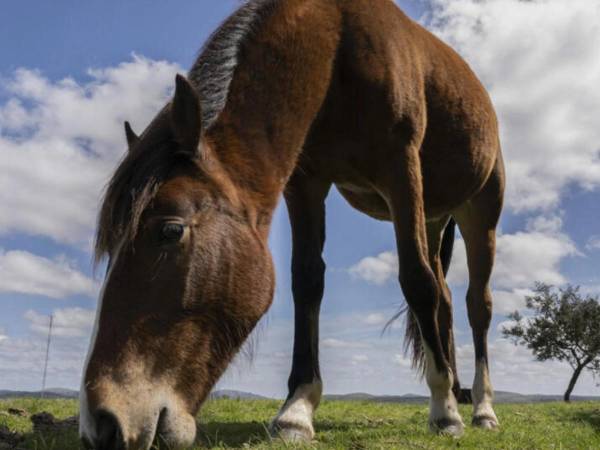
210 435
232 434
244 434
591 417
49 433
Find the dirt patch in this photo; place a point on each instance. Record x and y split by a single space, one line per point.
17 412
45 422
9 440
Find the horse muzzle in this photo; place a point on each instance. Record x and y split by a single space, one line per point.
123 421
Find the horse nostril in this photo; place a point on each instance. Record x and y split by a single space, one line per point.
110 436
160 426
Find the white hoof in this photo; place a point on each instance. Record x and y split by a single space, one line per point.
294 421
486 422
447 427
291 432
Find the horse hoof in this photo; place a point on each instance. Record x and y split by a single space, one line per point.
485 422
447 427
291 433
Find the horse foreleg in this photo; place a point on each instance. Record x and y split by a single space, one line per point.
305 198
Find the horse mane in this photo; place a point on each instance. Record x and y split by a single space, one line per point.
213 71
142 171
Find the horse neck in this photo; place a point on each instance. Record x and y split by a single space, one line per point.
280 84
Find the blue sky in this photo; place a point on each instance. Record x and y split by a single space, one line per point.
72 71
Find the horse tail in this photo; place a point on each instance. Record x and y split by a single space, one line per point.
412 338
448 245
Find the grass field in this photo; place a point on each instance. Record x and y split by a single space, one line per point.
348 425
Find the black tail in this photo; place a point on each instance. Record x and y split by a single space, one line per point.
448 245
412 337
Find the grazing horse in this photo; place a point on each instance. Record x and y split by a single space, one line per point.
289 96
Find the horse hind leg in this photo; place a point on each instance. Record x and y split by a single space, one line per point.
477 222
440 242
421 289
305 199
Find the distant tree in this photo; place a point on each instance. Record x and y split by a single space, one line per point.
565 326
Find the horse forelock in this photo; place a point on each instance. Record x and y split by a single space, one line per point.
131 189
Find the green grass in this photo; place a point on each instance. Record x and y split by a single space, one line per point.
352 425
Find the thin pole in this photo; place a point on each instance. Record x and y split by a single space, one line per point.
47 353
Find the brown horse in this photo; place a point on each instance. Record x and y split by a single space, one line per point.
289 96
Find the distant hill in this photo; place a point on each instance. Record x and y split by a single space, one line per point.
227 393
69 393
512 397
361 396
48 393
500 396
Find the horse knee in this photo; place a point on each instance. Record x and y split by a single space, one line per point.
308 275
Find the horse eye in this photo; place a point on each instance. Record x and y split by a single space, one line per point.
171 232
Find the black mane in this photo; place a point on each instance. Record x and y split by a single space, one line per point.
213 71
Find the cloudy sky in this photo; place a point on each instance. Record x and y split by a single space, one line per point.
71 72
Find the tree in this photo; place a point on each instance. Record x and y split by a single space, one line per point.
565 326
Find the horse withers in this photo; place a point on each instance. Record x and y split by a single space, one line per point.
289 97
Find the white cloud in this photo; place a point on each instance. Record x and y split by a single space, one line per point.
526 257
67 322
377 318
539 60
402 361
381 320
593 243
522 258
22 362
360 358
342 343
508 301
61 140
22 359
25 273
376 269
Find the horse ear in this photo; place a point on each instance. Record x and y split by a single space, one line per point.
132 138
186 115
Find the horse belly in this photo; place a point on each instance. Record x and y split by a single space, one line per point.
366 201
